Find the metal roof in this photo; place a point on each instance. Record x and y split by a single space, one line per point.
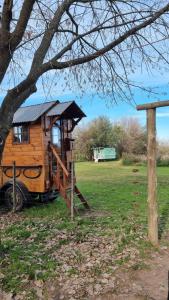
59 109
67 109
34 112
31 113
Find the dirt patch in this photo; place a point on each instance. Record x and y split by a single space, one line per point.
147 284
154 282
150 283
119 297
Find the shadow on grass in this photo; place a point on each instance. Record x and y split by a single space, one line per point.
3 209
164 218
31 205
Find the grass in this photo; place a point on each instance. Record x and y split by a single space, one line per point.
118 197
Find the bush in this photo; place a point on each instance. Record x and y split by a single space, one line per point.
162 162
80 157
129 159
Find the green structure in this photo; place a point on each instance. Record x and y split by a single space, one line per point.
102 153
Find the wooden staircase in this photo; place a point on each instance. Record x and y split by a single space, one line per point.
62 179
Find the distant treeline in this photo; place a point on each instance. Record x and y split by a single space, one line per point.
126 135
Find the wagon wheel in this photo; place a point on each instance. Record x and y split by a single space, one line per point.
9 198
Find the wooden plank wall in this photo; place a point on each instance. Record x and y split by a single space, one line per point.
34 153
31 154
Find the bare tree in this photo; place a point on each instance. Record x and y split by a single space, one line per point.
134 139
96 42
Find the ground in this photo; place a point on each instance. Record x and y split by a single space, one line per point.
102 254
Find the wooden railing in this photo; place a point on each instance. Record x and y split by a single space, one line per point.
62 181
61 176
59 161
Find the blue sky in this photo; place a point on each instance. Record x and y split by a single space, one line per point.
95 106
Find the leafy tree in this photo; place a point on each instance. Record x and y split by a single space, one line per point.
98 133
119 138
83 144
95 43
126 135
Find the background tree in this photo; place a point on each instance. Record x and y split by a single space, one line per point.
97 133
93 42
135 136
163 152
119 138
126 135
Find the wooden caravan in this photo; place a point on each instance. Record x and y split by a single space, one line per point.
41 145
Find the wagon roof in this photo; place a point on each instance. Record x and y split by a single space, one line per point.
54 108
31 113
67 110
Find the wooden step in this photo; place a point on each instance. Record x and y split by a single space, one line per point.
82 199
61 178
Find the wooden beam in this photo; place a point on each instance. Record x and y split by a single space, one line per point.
53 122
74 123
152 105
152 177
59 160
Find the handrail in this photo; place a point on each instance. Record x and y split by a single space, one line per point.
59 160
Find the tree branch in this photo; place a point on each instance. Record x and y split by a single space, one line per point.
13 101
48 36
54 64
7 14
19 31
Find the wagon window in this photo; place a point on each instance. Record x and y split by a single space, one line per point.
56 135
20 134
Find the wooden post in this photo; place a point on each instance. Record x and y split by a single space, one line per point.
72 189
14 187
152 177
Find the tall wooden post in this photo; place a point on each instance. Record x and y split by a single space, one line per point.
14 186
72 188
152 177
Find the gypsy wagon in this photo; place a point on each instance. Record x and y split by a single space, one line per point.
104 154
40 143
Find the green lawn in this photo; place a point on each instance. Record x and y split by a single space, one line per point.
117 189
117 196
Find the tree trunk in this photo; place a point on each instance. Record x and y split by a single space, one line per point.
3 135
5 58
5 52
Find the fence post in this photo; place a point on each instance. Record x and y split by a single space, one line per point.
152 177
14 186
72 188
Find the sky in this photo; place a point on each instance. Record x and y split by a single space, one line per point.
94 105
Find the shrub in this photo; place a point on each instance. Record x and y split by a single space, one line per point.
162 162
80 157
129 159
